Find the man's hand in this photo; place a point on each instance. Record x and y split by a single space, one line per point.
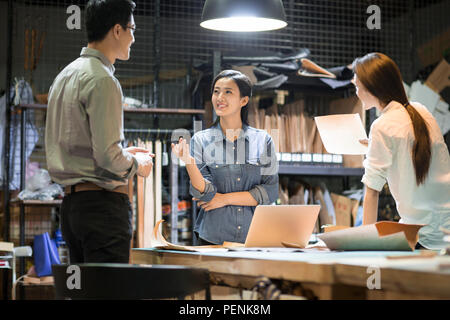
181 150
134 150
145 163
220 200
364 142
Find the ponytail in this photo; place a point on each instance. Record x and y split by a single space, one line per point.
421 151
381 76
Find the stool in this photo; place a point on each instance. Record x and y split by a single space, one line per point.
127 281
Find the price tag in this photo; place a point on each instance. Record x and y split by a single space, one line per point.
327 158
306 157
296 157
287 157
337 158
317 157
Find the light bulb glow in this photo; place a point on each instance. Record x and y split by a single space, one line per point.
243 24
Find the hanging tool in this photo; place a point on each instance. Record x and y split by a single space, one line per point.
34 43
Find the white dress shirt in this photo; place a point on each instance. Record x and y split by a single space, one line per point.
389 160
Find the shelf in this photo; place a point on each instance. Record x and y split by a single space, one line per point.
316 170
128 110
48 203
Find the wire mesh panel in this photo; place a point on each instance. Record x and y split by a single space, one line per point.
169 40
38 221
42 44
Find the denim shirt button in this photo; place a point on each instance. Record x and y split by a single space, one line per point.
238 179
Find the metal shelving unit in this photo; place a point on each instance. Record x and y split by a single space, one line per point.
173 168
29 203
318 170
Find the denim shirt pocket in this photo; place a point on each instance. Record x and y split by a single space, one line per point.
223 176
253 172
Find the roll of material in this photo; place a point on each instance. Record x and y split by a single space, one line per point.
25 251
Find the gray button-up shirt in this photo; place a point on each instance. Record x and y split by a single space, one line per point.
84 126
247 164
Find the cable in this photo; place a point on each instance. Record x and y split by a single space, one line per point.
13 291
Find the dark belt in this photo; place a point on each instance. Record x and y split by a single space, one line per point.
89 186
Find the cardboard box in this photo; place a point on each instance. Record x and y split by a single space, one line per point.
439 78
343 209
435 49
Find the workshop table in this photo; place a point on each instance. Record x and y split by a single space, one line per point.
319 274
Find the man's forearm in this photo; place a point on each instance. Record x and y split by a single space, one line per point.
370 206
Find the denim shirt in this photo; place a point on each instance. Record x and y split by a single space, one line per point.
247 164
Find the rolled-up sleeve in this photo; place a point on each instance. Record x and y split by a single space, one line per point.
208 194
267 192
105 100
378 160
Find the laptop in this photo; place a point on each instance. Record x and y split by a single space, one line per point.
291 224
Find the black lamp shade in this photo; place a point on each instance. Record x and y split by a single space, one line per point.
256 15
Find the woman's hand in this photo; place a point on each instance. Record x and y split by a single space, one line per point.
181 150
219 201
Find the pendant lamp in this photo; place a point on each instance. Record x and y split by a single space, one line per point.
243 15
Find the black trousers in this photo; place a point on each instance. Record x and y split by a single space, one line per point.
96 226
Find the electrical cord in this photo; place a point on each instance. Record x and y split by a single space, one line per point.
13 290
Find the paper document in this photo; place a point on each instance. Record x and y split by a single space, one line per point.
341 133
157 241
6 246
382 236
267 249
422 93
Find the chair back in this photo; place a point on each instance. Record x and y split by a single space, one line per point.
127 281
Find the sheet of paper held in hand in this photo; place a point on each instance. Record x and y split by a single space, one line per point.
341 133
158 241
381 236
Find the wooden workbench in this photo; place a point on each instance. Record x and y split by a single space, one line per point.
322 275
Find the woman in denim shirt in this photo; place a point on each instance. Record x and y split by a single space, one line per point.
232 166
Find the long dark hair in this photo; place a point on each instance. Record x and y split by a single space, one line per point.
381 76
245 88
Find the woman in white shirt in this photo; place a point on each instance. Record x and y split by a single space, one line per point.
406 150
